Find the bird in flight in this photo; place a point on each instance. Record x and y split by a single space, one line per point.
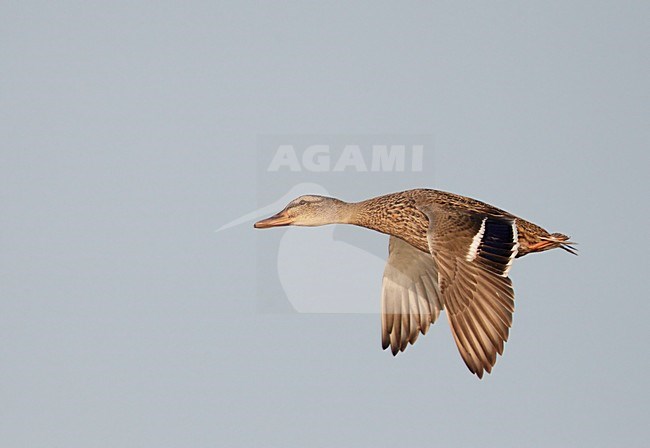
446 252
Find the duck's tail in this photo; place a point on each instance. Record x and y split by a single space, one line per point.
555 240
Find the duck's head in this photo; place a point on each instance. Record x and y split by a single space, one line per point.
308 210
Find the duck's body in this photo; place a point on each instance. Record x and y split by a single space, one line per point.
399 214
446 252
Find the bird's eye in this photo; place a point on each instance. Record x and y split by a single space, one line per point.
302 202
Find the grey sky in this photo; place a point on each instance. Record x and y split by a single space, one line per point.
131 132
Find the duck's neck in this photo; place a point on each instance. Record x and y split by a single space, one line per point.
372 214
394 215
340 212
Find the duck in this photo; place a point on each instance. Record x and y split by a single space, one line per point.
446 252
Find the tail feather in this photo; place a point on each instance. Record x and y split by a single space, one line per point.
561 241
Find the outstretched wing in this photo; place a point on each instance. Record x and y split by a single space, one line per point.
409 297
473 254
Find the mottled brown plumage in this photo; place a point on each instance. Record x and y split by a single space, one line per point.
397 214
446 252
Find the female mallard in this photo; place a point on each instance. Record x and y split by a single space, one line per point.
445 252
